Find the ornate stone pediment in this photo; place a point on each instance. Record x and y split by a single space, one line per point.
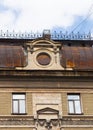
48 118
47 110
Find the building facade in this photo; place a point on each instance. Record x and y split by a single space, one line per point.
46 84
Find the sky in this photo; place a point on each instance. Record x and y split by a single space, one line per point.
37 15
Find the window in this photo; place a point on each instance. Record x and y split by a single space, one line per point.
18 103
74 104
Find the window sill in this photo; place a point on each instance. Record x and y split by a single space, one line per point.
75 113
18 113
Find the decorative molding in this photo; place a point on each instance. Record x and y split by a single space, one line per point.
37 44
53 35
31 122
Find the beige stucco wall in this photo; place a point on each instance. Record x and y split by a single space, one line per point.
77 128
87 103
64 103
5 103
47 98
29 103
16 128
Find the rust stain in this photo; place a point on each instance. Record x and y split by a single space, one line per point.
77 57
70 64
12 56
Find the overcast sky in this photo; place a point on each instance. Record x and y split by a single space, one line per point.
36 15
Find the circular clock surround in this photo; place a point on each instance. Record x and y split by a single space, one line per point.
43 58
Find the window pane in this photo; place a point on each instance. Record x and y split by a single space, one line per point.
15 106
18 96
77 107
18 103
73 97
71 107
22 106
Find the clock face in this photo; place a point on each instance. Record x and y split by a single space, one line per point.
43 58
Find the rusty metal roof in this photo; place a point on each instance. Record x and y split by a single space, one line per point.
12 56
78 58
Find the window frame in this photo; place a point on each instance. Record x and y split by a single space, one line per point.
74 104
18 103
